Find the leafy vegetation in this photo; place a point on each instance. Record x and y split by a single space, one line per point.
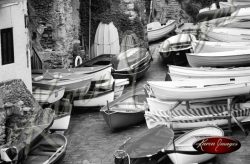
104 11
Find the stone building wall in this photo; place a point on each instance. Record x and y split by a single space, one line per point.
170 9
21 117
60 21
134 8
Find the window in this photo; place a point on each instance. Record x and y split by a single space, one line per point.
7 47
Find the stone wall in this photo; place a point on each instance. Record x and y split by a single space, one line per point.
21 117
170 9
59 26
134 8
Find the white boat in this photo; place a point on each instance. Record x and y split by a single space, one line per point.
241 12
102 84
70 81
220 59
95 99
156 105
185 143
131 59
180 73
106 39
225 22
224 34
200 46
125 111
177 42
101 72
119 87
183 119
181 90
157 31
62 110
61 123
233 4
188 28
47 94
212 7
48 149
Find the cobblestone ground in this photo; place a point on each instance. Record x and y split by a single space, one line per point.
91 142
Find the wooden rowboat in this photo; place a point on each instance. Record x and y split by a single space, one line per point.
102 72
129 41
126 64
178 42
62 110
94 99
213 14
207 46
220 59
50 149
157 31
185 143
47 94
102 84
146 144
242 12
233 4
236 24
134 74
173 50
73 83
179 73
106 40
218 13
188 28
183 119
125 111
131 59
180 90
155 104
224 34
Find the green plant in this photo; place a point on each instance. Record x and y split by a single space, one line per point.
102 11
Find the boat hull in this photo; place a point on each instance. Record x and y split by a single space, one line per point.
129 41
44 94
158 105
97 72
206 46
106 40
61 124
156 34
177 42
48 152
80 84
184 119
223 37
117 120
132 75
175 57
218 61
177 72
174 93
125 111
188 139
94 101
213 14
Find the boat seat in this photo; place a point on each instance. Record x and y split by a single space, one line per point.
36 159
41 153
153 25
